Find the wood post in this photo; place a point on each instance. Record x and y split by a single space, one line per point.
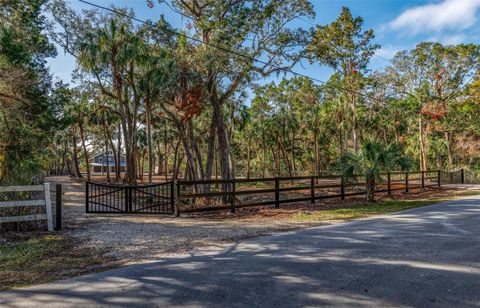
342 188
389 184
438 178
423 179
277 193
172 196
48 207
232 196
406 181
462 176
177 198
58 208
312 189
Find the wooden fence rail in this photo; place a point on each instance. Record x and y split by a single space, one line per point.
46 202
332 187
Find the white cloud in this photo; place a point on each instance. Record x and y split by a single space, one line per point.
436 17
449 39
388 51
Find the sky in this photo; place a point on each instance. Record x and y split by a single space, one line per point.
398 25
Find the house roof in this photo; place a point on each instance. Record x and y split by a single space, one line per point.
122 164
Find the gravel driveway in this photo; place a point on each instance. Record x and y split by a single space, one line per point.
136 238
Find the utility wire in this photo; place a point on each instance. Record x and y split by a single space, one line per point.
227 50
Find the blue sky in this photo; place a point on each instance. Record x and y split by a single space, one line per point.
397 24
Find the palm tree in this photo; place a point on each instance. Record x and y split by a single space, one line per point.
371 160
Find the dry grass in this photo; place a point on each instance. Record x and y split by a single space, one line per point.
379 208
45 258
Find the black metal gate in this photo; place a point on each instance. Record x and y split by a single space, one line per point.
129 199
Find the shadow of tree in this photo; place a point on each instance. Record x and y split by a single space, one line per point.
423 257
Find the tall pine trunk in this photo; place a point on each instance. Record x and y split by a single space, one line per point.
85 152
149 138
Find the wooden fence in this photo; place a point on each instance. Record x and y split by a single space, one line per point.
45 201
239 193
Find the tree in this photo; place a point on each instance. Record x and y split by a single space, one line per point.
28 111
373 159
432 78
343 46
252 28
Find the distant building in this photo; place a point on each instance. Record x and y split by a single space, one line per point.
103 161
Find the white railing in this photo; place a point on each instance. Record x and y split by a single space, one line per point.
46 202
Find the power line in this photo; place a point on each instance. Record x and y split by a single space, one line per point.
227 50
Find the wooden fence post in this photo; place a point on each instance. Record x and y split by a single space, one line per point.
232 196
177 197
462 176
48 207
406 181
172 196
312 189
342 188
389 185
277 193
438 178
423 179
58 208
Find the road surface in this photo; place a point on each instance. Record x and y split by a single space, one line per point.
425 257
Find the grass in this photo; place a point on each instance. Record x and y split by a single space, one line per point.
366 210
45 258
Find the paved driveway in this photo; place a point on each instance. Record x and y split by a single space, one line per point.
424 257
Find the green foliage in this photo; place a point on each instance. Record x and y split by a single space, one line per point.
373 159
28 113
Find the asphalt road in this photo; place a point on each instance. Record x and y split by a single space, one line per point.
426 257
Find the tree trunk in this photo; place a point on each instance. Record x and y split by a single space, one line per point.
159 159
264 154
223 146
423 150
85 152
108 158
165 149
449 149
353 105
149 137
248 156
210 151
119 153
371 188
76 167
292 149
